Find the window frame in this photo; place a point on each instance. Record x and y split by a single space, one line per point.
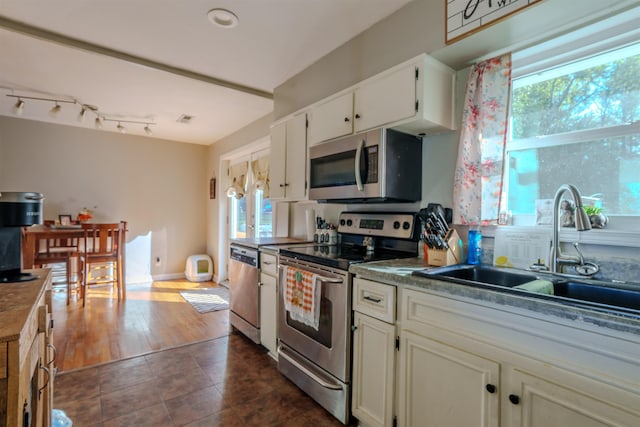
528 62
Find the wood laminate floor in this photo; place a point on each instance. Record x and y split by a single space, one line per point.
131 364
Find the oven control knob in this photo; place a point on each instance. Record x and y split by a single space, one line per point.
349 223
406 225
342 222
396 225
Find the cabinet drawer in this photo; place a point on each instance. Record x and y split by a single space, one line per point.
268 264
375 299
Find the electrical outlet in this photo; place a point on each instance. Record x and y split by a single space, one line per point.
157 260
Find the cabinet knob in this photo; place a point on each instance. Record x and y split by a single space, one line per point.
353 328
346 119
357 116
491 388
283 185
514 398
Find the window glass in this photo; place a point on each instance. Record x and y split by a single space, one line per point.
578 124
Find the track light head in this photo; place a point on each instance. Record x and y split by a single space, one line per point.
55 110
82 114
148 130
121 128
18 108
98 122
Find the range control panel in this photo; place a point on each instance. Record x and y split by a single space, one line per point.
383 224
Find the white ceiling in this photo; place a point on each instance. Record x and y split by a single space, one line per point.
274 40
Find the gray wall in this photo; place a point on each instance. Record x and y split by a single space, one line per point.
158 186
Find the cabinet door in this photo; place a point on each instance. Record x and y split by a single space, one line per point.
386 99
296 155
373 371
531 401
268 306
442 386
278 161
331 119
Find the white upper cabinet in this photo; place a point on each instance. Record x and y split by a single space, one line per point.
386 99
416 97
331 119
288 172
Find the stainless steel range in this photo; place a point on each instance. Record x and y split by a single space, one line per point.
315 344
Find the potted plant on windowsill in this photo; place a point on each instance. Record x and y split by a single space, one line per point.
597 218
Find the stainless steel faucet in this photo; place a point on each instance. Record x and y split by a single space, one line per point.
582 223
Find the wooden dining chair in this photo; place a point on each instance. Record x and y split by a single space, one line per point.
52 250
102 257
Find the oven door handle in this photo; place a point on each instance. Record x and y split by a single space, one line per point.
357 165
282 353
320 278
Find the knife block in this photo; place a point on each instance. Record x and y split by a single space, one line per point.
451 256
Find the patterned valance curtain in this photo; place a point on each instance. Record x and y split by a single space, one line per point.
260 171
478 176
237 180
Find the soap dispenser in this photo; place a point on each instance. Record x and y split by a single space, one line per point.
474 244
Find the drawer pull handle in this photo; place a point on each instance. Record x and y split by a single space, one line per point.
46 384
372 299
55 354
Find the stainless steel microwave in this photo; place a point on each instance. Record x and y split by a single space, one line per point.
377 166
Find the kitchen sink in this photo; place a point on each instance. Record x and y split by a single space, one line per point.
588 293
616 297
478 275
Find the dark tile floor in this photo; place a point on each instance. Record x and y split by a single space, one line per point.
227 381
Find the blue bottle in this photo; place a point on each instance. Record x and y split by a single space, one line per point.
474 255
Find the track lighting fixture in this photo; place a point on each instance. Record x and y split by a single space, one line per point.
18 109
55 110
122 129
82 113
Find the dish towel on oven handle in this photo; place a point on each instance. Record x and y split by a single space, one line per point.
302 296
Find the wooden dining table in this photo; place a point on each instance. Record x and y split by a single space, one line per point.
37 232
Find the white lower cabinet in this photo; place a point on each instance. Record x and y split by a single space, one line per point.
373 371
268 302
464 365
374 353
532 401
441 385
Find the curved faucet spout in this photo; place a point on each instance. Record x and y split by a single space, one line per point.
582 223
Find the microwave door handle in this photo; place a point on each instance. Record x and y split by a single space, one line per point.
357 165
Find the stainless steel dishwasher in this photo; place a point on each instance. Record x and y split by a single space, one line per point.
245 292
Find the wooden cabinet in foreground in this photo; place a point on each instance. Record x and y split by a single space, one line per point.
26 352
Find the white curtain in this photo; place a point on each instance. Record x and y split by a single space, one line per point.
260 171
477 190
237 180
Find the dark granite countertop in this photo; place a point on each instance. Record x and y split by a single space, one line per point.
266 241
398 273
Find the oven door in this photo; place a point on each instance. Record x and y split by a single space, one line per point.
346 168
329 346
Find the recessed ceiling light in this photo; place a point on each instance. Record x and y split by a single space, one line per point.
223 18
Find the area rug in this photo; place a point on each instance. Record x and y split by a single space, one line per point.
207 299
